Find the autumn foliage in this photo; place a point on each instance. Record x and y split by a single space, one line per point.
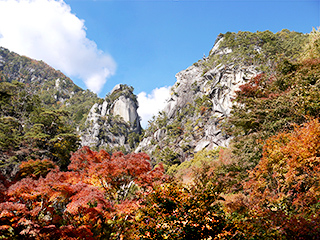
193 211
282 195
96 199
265 185
111 197
285 183
271 171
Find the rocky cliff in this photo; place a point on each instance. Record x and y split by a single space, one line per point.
202 97
194 113
113 123
193 119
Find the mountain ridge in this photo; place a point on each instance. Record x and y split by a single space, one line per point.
193 119
46 116
202 97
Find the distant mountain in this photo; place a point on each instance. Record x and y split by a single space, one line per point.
55 90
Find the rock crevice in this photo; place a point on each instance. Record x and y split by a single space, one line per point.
113 123
199 103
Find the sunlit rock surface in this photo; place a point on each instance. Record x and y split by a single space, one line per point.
199 103
110 122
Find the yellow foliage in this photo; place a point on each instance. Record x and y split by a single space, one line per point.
312 48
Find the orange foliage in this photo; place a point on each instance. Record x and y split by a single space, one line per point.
95 199
285 184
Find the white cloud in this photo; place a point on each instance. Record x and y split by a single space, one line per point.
47 30
151 104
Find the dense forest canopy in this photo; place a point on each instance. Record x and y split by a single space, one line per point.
28 130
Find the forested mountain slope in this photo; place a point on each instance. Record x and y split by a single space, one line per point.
234 155
203 96
55 90
45 115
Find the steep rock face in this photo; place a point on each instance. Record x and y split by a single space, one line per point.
111 122
125 108
114 122
199 103
201 99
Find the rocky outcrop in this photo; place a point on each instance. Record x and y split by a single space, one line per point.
114 122
125 108
199 103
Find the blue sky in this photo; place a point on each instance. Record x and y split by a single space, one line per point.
140 43
153 40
